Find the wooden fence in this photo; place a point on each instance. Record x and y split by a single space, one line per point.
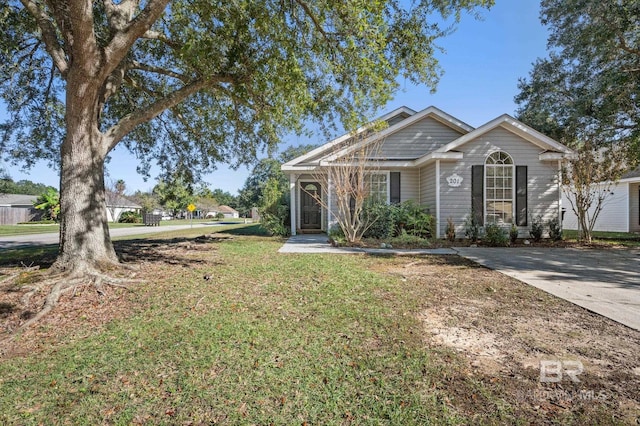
13 215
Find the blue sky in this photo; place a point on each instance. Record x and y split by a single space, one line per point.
482 63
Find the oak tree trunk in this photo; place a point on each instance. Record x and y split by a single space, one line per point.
85 243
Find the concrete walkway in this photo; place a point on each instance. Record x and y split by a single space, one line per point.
319 243
606 282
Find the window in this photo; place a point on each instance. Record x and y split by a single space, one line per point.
499 191
378 187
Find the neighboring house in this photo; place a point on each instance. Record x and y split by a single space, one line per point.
227 212
620 211
117 204
16 208
505 170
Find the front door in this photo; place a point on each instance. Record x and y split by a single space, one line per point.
310 208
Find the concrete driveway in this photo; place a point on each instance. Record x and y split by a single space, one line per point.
603 281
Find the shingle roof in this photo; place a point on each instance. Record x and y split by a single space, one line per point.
632 174
226 209
115 200
17 199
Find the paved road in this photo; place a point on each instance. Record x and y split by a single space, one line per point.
604 281
53 238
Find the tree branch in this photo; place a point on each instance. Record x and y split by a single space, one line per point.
135 65
130 121
123 39
52 44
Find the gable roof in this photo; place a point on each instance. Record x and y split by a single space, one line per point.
17 200
514 126
225 209
327 152
115 200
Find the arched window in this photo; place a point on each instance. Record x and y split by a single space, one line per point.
499 188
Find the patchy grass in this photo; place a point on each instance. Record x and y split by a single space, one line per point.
621 239
228 331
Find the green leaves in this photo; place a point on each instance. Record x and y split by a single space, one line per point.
589 86
269 67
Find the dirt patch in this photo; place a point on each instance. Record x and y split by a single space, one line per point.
525 343
84 310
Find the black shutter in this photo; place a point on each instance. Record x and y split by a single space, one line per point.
477 193
521 195
394 187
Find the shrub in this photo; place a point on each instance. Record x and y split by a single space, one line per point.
495 235
275 224
536 228
451 230
417 221
336 236
130 217
555 230
379 218
405 239
513 233
471 228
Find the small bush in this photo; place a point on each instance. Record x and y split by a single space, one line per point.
408 240
130 217
275 224
513 233
495 235
451 230
418 221
536 228
336 236
380 218
472 228
555 230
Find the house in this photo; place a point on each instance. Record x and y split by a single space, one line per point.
16 208
117 204
504 171
227 212
620 211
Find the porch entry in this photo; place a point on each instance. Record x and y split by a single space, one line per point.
311 211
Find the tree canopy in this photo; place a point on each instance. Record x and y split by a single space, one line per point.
223 79
588 88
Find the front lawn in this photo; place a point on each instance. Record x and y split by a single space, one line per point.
228 331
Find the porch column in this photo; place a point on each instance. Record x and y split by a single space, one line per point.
294 202
329 214
437 199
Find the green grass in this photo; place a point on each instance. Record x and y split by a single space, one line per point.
627 239
271 339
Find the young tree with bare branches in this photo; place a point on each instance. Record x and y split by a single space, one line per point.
346 179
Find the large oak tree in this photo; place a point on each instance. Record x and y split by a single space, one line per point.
192 83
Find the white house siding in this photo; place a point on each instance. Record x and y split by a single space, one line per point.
428 187
542 189
409 184
634 207
614 216
417 139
